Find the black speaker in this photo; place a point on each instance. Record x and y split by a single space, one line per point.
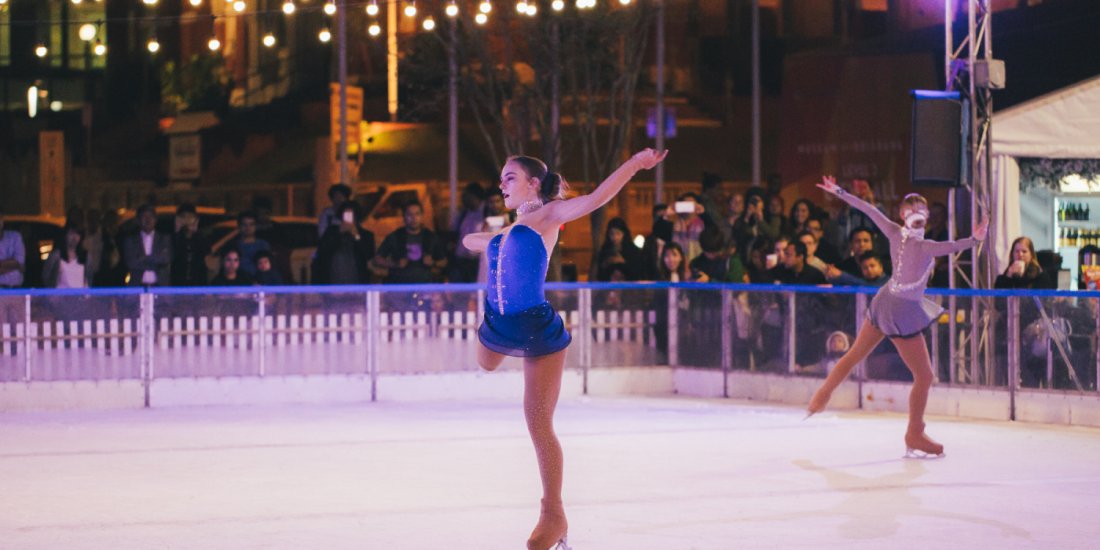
936 150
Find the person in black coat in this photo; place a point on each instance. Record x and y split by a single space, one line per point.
345 250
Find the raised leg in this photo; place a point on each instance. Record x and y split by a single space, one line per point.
542 386
914 352
488 359
869 336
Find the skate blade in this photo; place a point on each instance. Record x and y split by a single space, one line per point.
921 455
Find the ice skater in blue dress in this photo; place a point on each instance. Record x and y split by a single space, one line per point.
520 322
899 310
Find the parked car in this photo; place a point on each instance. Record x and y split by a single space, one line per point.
166 219
293 256
382 205
39 234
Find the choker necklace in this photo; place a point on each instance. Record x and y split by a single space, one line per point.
528 207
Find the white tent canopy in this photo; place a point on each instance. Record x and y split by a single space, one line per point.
1061 125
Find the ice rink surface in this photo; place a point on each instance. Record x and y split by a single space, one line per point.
641 473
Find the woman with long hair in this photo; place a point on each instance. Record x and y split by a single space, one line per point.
801 212
1024 271
899 310
618 250
67 265
518 320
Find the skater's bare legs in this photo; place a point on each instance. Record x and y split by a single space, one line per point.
487 358
542 386
869 336
914 352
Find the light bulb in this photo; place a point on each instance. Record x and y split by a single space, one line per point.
149 2
330 8
429 24
77 2
239 6
410 10
372 8
532 10
485 7
269 40
558 5
153 46
481 18
324 35
41 50
289 7
521 6
99 47
214 44
374 29
196 3
87 32
452 10
624 2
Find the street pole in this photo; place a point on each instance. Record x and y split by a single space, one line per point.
391 57
452 122
659 171
756 93
342 70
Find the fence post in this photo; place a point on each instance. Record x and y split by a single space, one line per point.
673 327
262 305
727 339
791 329
1013 341
584 304
373 313
27 340
952 338
146 335
861 367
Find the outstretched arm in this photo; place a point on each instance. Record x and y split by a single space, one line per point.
478 242
828 183
569 210
937 248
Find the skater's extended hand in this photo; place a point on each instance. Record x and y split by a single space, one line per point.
981 230
649 157
828 183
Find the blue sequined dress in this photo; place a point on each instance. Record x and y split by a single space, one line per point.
518 319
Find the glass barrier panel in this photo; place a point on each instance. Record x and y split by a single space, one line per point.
430 331
85 337
206 335
1058 350
623 326
312 333
761 331
695 320
13 352
825 327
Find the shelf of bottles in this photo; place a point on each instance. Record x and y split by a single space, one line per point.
1074 225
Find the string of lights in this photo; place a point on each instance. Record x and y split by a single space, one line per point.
290 7
89 29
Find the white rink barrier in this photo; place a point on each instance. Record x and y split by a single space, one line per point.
109 336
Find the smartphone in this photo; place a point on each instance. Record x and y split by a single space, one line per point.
495 222
771 260
349 216
684 207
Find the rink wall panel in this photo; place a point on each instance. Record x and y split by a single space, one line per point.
788 390
1058 408
982 403
697 382
71 395
246 390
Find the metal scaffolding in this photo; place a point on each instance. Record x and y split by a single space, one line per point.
965 61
